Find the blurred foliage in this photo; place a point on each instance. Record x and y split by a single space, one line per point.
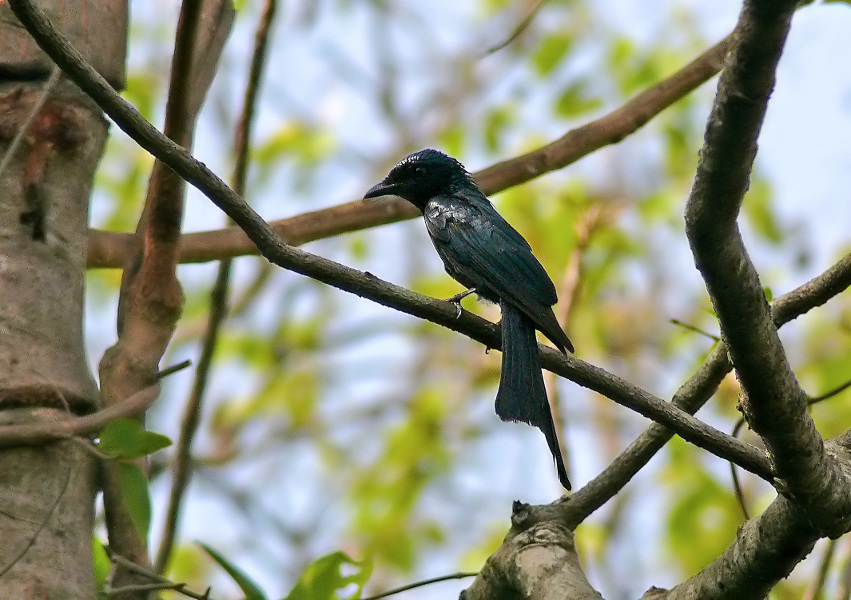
388 492
190 564
702 508
331 423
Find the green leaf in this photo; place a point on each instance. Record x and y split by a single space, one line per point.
101 561
126 438
136 495
452 139
701 507
496 123
294 139
248 587
552 49
323 579
575 100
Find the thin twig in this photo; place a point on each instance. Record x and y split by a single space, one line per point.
159 582
144 587
218 302
678 323
31 435
417 584
521 27
174 369
737 485
829 394
129 565
242 141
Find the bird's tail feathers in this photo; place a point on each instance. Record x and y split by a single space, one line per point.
522 395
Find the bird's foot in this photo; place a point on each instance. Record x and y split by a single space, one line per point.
456 300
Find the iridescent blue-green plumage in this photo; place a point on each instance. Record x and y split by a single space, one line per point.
482 251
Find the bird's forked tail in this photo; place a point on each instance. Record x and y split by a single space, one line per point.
522 395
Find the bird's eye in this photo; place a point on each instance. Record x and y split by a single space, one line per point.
419 171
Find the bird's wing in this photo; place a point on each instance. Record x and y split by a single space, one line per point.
478 242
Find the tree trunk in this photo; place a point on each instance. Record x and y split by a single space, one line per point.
47 493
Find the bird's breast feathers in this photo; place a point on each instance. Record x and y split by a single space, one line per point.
443 217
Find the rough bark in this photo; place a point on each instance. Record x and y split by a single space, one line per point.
537 561
47 493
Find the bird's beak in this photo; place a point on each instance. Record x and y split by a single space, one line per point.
381 189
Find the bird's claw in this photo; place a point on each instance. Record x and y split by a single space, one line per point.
456 300
458 308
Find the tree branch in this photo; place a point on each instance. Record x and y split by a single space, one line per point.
107 249
518 29
607 130
537 561
695 392
218 304
766 548
151 299
359 283
774 404
685 425
36 434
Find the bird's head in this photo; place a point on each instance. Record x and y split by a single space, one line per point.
422 176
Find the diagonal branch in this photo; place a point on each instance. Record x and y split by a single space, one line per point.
357 282
107 249
643 402
766 548
607 130
694 393
774 404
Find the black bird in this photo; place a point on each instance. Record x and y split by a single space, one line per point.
484 253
